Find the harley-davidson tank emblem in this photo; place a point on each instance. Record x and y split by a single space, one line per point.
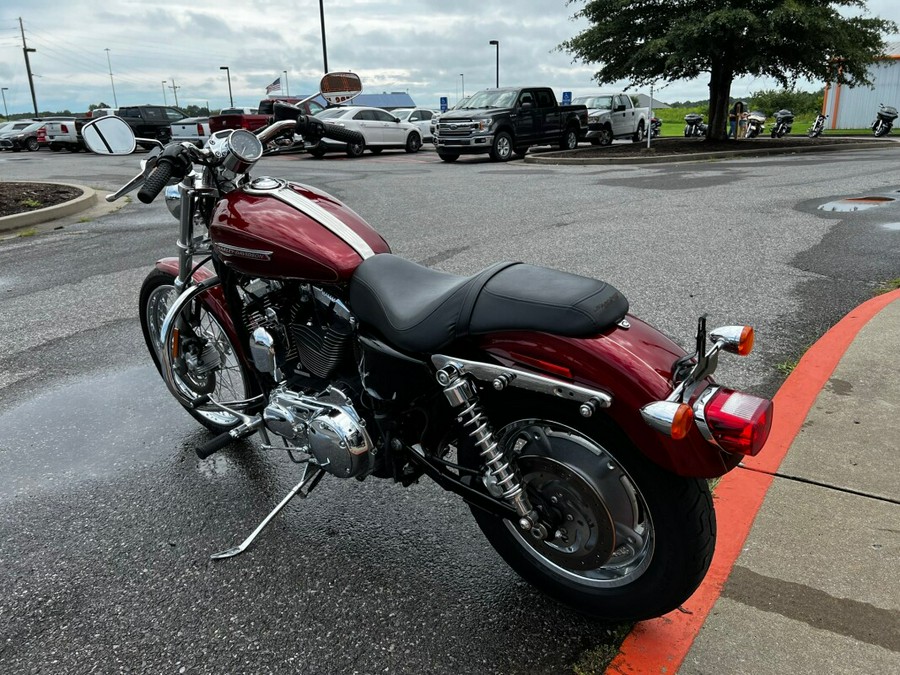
238 252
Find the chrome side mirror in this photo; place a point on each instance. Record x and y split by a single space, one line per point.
109 135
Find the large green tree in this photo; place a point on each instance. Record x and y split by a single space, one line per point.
647 41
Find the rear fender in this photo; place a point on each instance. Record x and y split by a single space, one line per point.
214 299
633 365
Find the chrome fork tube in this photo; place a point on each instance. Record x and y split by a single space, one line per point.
461 394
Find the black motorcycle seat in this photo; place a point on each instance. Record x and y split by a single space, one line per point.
423 310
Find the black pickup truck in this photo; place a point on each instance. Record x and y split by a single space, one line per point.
505 122
151 121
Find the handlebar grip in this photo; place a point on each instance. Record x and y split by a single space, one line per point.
155 182
342 134
214 445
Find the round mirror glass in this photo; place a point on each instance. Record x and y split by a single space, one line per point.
108 135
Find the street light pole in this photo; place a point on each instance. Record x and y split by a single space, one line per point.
3 91
109 63
463 78
165 100
287 87
496 43
324 50
175 89
228 73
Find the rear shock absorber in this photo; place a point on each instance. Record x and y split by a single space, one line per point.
461 393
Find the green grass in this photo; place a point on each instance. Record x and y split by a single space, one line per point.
27 233
673 123
887 286
594 661
31 203
787 366
85 219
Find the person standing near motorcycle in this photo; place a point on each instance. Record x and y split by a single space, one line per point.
738 120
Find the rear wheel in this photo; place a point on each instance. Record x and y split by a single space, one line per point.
629 541
569 140
639 134
207 362
32 145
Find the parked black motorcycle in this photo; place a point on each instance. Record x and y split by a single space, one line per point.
818 126
784 119
693 125
756 123
655 126
884 122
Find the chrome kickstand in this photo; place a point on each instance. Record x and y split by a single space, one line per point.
309 482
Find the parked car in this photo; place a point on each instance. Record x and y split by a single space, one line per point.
380 129
22 136
191 129
421 117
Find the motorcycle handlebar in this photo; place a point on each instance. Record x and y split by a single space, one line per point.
156 181
316 128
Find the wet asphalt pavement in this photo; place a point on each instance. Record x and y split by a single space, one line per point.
107 517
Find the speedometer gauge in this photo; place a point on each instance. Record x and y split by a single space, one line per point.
244 149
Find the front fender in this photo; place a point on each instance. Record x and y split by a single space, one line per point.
634 365
214 299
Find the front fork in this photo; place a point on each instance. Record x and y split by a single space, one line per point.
502 475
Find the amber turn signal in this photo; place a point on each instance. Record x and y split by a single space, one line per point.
734 339
668 417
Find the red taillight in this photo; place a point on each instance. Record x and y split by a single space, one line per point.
738 422
200 130
64 129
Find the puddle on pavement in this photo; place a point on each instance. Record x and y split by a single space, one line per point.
856 203
892 226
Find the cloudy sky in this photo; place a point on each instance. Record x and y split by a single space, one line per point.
428 48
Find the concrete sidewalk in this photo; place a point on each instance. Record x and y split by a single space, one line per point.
815 585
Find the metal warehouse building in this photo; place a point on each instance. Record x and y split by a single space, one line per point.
855 108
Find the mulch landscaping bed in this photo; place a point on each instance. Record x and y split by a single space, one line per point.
22 197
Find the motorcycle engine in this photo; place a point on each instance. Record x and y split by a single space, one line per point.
302 336
327 426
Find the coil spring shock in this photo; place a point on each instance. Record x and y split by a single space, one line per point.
460 392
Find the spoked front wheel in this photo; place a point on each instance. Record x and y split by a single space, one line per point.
204 360
628 541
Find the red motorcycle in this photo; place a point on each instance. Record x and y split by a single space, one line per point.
580 436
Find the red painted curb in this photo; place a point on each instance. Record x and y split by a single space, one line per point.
661 645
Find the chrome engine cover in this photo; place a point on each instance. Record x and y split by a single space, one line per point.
327 426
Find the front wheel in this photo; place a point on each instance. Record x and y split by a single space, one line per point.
448 156
883 129
502 149
356 149
32 145
628 540
413 142
206 363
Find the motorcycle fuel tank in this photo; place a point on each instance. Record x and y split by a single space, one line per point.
277 229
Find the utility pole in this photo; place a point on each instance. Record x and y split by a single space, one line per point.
165 100
324 49
174 89
3 91
25 50
109 63
287 88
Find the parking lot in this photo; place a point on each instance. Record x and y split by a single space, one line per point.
108 518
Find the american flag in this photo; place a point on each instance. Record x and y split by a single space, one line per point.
275 86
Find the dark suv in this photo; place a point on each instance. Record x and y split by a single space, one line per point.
151 121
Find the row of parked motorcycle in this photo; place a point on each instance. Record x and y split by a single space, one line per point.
784 120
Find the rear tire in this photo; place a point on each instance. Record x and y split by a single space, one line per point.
32 145
206 342
569 140
663 525
639 134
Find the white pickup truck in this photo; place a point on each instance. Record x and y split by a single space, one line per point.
65 134
192 129
613 116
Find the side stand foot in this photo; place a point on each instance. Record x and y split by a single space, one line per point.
303 488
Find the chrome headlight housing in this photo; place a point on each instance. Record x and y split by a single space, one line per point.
484 123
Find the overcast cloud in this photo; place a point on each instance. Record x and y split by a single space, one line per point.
428 48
